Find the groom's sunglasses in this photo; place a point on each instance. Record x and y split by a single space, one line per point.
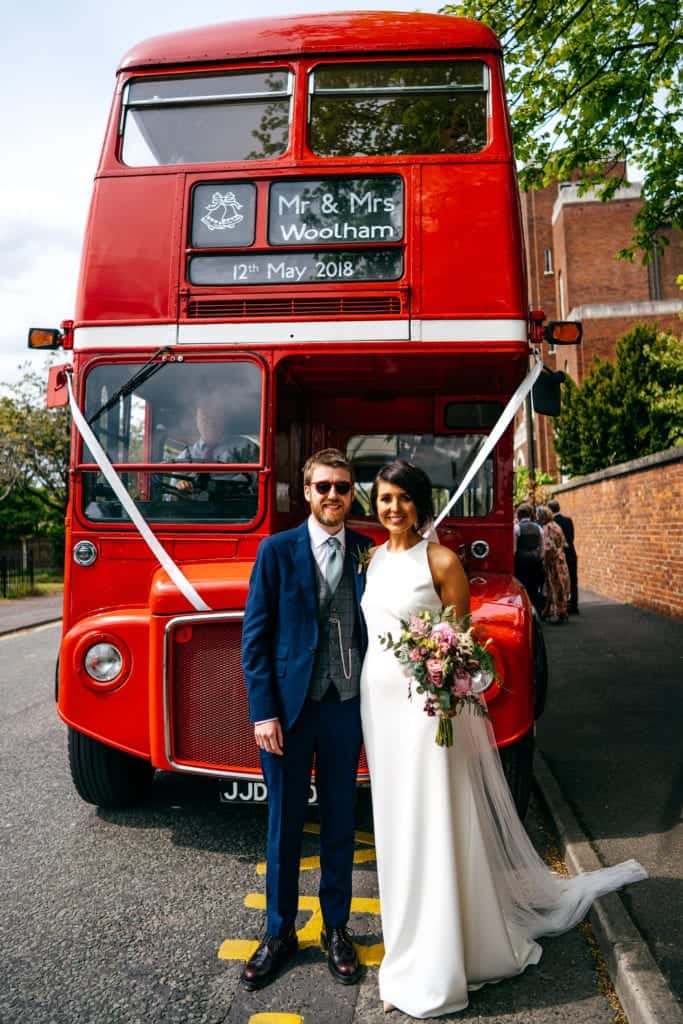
325 486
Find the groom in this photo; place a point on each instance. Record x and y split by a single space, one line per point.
303 641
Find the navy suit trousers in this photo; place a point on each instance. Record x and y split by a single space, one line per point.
330 733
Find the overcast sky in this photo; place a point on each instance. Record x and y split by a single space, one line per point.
58 61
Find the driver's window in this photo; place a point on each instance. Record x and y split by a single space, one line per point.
194 414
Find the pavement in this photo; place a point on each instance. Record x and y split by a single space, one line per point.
26 612
609 769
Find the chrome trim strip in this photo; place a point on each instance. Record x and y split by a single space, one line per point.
193 101
296 331
170 625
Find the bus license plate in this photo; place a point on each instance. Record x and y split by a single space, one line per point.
242 791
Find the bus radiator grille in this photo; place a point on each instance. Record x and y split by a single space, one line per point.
210 725
283 308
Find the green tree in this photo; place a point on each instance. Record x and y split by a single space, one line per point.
532 490
626 409
589 82
34 456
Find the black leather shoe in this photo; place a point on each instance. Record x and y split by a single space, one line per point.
342 958
268 960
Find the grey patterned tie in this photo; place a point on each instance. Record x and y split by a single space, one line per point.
335 564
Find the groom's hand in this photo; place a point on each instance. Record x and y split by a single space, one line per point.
268 736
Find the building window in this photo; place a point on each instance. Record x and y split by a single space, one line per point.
548 261
561 295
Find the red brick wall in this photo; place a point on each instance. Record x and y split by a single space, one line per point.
629 531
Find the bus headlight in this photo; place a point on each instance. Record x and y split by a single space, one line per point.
85 552
481 680
103 662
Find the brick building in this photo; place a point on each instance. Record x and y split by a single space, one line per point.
571 244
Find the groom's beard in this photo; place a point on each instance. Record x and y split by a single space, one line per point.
329 515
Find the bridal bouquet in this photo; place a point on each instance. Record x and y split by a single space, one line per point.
448 664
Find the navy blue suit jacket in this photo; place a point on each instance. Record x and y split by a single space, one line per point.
280 629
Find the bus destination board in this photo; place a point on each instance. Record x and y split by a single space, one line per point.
354 211
320 267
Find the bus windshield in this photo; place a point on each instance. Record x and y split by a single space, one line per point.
203 412
445 459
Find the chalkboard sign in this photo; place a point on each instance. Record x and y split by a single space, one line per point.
354 211
223 215
324 266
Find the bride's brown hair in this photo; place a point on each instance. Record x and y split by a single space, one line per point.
411 479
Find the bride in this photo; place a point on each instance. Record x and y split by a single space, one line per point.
464 895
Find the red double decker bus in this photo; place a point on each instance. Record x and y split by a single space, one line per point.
304 232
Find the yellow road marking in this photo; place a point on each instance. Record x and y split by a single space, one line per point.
309 935
275 1018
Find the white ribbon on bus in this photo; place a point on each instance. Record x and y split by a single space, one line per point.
163 557
114 481
495 435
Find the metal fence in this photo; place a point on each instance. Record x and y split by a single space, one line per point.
16 571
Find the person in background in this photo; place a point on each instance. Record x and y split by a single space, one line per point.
555 566
567 526
529 556
216 443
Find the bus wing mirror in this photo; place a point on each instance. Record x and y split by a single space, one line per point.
44 338
57 392
563 332
546 392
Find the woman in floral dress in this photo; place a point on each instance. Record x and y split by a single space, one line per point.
557 585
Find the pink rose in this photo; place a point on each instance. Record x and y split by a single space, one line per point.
462 683
415 655
434 670
444 633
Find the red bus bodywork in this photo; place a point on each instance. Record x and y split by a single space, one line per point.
337 360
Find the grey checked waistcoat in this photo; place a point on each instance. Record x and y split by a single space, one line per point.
328 667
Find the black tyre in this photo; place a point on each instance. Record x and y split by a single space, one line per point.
540 666
518 765
105 776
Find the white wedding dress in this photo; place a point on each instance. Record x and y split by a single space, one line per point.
463 893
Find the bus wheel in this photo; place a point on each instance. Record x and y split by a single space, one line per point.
518 765
106 776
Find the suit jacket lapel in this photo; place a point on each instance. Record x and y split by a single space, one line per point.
305 570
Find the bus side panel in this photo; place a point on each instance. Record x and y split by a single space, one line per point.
118 715
130 270
501 609
472 257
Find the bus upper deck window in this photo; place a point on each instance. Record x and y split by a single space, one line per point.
206 119
389 109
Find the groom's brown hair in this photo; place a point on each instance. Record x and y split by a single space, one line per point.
327 457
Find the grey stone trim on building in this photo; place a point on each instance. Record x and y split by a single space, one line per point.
633 466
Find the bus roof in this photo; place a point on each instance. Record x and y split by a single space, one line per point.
316 34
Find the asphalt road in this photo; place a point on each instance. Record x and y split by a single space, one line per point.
139 916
